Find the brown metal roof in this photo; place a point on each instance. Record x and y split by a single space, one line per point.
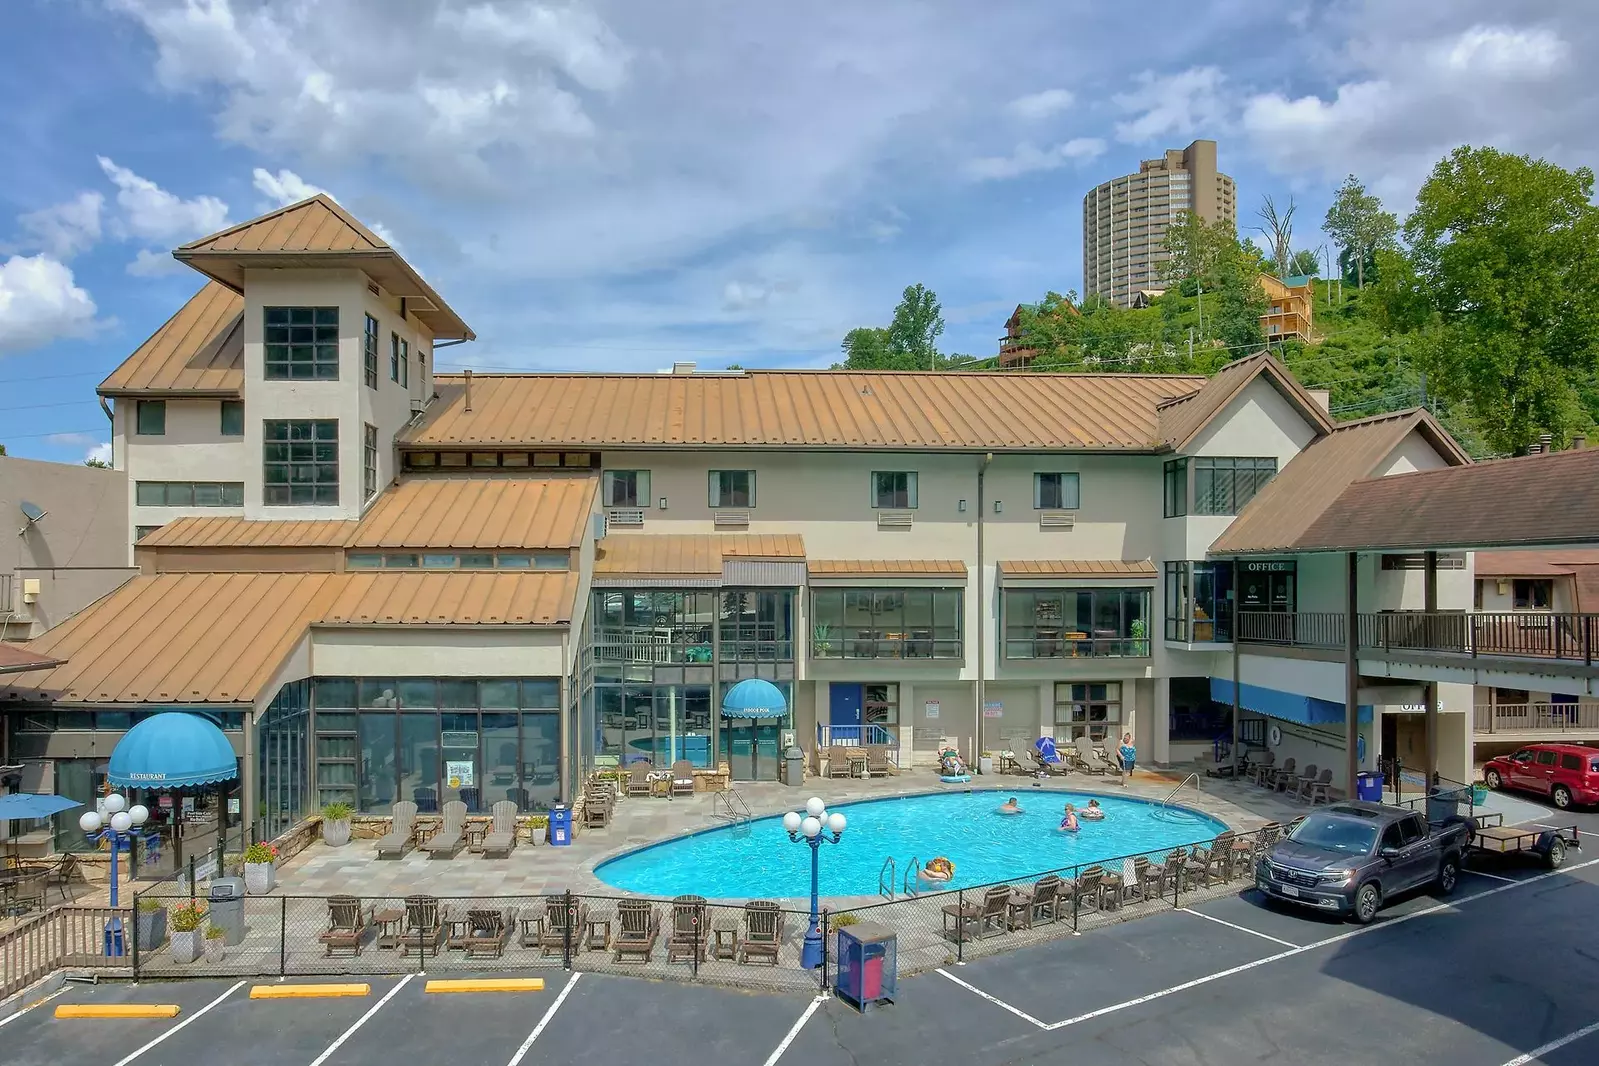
235 532
480 512
15 659
218 638
199 349
1559 563
887 568
819 408
1183 419
1077 567
1281 512
1534 500
318 233
690 553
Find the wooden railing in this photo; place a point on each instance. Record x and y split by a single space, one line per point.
1537 717
1507 634
1301 629
63 937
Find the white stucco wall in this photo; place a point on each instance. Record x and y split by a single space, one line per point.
192 449
440 651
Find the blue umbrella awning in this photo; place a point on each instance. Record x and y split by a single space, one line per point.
754 697
23 805
172 750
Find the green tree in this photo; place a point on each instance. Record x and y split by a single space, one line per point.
2 449
1304 263
98 464
1501 286
909 342
1358 225
866 348
1279 233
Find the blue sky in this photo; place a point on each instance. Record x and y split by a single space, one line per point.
618 185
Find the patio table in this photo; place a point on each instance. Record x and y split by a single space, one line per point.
597 932
725 934
390 922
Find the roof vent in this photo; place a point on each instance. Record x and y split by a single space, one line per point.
682 368
1546 442
1578 442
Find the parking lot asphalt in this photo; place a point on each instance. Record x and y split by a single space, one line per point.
1502 968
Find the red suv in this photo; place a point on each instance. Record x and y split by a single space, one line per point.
1567 773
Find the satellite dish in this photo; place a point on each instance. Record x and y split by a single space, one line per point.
32 512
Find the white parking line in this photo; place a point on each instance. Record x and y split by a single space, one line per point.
1491 877
362 1020
190 1020
1554 1045
995 1000
32 1006
1240 928
794 1031
522 1051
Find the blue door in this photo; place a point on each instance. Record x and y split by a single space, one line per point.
845 712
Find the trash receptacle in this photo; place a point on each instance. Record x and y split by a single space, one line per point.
227 908
1368 786
792 769
560 825
867 966
1443 804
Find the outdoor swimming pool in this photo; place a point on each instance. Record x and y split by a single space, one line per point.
757 860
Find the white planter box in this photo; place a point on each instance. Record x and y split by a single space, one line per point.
259 877
336 834
214 950
186 946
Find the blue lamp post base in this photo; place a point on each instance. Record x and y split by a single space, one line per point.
811 951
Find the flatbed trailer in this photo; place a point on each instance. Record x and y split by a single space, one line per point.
1490 836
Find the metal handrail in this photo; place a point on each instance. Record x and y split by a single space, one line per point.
1194 777
886 878
737 810
913 871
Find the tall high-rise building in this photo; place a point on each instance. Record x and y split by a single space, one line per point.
1125 219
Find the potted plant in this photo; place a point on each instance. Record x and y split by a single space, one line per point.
259 875
336 824
185 921
1140 633
150 917
821 642
214 944
1479 793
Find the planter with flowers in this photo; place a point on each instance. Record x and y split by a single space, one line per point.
259 870
185 920
150 918
336 824
214 944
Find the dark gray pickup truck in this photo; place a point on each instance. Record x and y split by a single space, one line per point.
1350 858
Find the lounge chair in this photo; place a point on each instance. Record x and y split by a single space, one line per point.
1082 752
1038 764
563 925
447 841
1316 791
763 932
424 925
682 778
690 932
487 930
979 918
1042 898
402 832
1088 885
1274 773
837 761
346 926
1102 758
501 837
1147 875
1213 864
638 928
878 764
638 779
1261 769
597 804
1291 782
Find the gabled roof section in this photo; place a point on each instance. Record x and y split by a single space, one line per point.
1184 418
875 568
317 232
15 659
1077 568
199 350
480 512
1292 501
234 532
842 410
696 554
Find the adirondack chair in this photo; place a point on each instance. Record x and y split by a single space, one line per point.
402 833
447 841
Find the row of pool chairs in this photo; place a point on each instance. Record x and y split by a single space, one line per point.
1008 908
1311 786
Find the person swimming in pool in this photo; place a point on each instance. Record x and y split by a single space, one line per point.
1069 822
1010 806
1093 812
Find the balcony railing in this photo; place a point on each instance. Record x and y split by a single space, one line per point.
1537 717
1075 648
689 647
1507 634
1200 630
1302 629
887 646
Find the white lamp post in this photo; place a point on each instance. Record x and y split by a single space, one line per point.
813 827
118 831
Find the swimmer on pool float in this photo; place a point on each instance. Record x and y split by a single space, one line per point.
1069 822
1093 812
1010 806
939 869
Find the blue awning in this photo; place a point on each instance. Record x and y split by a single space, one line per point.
1288 706
172 750
25 805
754 697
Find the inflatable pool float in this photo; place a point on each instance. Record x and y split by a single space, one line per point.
1091 814
939 869
954 779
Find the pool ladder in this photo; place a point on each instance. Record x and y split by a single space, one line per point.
730 807
1165 804
888 878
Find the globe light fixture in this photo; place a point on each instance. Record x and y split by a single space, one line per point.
815 807
835 823
90 822
114 803
811 827
116 827
122 821
814 827
139 813
791 822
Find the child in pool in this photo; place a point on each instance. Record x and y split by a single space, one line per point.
1093 812
1010 806
1069 822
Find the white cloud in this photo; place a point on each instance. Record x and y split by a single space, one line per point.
1029 158
100 453
154 264
65 229
1040 105
40 303
283 188
150 212
1190 103
1505 52
65 439
93 447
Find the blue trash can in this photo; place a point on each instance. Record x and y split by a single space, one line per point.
1368 786
561 825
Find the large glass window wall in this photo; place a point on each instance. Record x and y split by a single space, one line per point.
1069 623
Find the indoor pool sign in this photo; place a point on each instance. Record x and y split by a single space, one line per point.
459 774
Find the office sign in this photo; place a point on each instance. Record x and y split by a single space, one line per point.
1270 566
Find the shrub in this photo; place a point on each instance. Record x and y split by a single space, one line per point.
150 906
214 932
840 921
186 917
337 812
260 852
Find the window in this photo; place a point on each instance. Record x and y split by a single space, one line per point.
150 418
369 461
189 493
1411 830
899 623
401 561
1545 758
732 488
1199 606
1533 595
1393 836
300 463
653 626
362 561
405 363
140 532
1068 623
1570 762
625 488
757 625
302 343
1087 710
394 358
1056 492
1176 488
1268 585
880 704
369 353
232 418
551 561
1224 486
894 489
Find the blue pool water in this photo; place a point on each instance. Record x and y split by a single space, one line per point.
758 860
